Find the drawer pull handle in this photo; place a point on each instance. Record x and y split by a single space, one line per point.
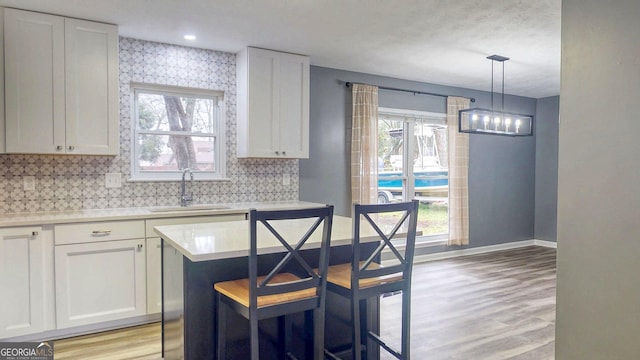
139 246
101 232
31 236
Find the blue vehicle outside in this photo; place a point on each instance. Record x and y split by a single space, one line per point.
430 185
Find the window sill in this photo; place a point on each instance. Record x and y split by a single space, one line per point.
426 241
388 258
433 240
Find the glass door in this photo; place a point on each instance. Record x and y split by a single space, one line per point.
412 164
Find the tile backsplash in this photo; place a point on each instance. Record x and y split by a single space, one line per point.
77 182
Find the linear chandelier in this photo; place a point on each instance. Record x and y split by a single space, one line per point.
495 121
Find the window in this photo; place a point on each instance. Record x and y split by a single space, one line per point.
413 164
176 128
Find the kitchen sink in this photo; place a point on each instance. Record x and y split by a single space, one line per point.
188 208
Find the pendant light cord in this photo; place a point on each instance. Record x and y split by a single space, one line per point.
503 86
492 62
502 59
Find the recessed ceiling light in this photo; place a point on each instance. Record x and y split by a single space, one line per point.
190 37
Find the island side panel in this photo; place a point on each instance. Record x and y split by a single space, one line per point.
201 306
172 303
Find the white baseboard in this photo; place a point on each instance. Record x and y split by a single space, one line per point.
545 243
482 250
86 329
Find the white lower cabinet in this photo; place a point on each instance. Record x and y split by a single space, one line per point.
25 269
78 275
98 281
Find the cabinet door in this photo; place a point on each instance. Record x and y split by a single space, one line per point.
293 119
91 70
3 147
22 302
99 281
273 104
263 137
34 82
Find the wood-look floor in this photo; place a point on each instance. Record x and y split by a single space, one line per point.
495 306
492 306
139 342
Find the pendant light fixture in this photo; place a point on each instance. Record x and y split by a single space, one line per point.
495 121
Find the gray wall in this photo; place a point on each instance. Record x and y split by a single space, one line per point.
501 169
598 293
546 213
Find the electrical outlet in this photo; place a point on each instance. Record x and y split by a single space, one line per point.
29 183
113 180
286 179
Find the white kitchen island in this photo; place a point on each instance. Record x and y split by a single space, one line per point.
196 256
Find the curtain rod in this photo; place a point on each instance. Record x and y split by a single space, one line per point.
414 92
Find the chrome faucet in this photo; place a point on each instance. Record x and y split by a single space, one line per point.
184 198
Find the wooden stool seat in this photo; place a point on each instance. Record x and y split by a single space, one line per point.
341 275
238 290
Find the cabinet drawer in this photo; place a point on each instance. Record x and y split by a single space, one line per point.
98 231
151 223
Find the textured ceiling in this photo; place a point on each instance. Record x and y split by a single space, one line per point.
436 41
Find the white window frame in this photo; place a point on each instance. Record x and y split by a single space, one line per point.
218 134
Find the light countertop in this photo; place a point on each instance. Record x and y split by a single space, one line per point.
61 217
229 239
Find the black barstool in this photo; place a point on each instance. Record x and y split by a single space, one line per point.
366 278
279 292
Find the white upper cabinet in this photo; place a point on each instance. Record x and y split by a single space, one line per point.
34 82
273 104
91 74
61 85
